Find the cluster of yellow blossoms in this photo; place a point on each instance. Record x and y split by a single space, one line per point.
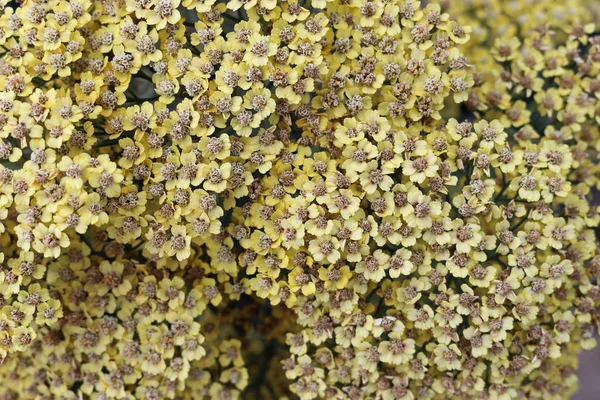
315 199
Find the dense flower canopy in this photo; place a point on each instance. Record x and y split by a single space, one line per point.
297 199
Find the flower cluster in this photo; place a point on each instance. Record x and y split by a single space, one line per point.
327 199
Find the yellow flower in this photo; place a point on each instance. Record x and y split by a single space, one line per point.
505 49
420 168
325 249
49 240
527 186
447 358
396 351
179 245
374 267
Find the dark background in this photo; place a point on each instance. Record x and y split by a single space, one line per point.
589 376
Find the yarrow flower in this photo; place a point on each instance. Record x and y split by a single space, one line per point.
297 199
